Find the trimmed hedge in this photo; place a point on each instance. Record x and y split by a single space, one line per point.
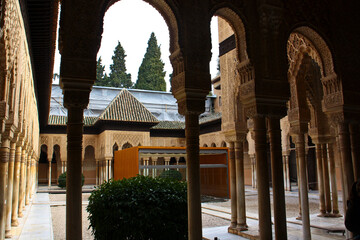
172 174
139 208
62 180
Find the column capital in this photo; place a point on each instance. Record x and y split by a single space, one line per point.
76 98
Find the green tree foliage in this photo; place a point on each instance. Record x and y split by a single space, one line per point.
101 79
151 75
139 208
118 76
170 80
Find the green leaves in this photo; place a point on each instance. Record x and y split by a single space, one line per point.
62 180
151 75
118 76
139 208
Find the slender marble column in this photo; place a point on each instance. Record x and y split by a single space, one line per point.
240 186
22 182
9 191
286 173
106 169
277 178
15 199
193 173
28 177
110 169
253 170
4 163
355 148
262 175
326 180
348 172
73 188
299 184
49 172
300 151
334 192
320 177
97 172
232 185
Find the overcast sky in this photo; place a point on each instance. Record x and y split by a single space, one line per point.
131 22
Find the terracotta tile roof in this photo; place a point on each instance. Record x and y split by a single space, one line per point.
57 120
125 107
170 125
62 120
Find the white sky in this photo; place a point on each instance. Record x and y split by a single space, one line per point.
131 22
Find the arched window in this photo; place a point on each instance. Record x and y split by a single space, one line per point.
43 154
126 145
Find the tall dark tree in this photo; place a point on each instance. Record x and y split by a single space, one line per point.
101 79
118 76
170 81
151 74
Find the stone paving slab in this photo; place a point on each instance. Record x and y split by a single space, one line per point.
36 224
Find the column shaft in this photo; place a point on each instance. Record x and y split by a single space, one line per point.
348 172
73 186
97 173
49 173
300 152
232 185
277 178
299 184
9 191
262 175
320 177
334 192
193 173
16 187
4 163
240 186
355 149
22 182
28 177
326 179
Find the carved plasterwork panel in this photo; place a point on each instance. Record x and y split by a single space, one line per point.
297 45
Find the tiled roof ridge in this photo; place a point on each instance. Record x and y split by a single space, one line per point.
126 107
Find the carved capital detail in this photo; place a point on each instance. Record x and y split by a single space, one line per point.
336 118
76 99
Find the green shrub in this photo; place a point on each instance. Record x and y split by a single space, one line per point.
62 180
139 208
172 173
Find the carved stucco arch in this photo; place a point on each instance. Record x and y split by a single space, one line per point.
165 11
237 24
304 40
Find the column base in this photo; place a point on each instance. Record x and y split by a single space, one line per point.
20 214
14 223
8 234
322 214
232 229
333 215
242 227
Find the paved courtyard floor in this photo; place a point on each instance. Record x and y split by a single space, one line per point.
45 217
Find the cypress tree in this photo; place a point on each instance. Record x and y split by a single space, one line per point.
151 75
100 78
118 76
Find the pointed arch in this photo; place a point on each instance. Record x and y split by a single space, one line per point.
238 26
168 13
126 145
